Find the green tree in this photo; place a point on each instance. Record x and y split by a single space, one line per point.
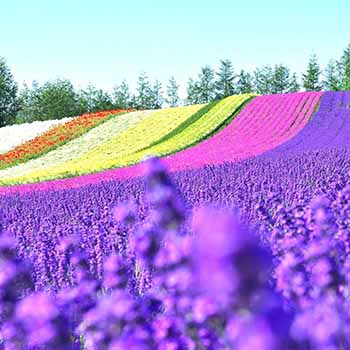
133 102
193 92
331 80
27 97
225 84
283 81
144 92
122 97
294 86
311 79
244 84
263 78
87 98
157 99
344 67
103 101
93 100
173 98
206 85
9 103
56 100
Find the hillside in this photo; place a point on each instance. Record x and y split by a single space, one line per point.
188 137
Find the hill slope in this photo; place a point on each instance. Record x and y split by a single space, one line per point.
159 132
263 123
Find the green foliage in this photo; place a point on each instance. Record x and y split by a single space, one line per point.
54 100
332 77
103 101
9 103
122 97
263 80
275 80
282 80
344 68
144 90
92 100
173 98
27 98
206 85
311 79
244 83
293 84
193 92
157 99
148 97
225 84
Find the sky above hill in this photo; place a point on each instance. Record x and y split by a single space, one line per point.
106 41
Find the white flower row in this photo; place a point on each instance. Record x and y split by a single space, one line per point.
14 135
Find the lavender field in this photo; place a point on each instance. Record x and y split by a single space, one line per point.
241 255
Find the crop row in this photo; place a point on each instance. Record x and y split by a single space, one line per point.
55 137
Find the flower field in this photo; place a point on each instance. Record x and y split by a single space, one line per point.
153 135
76 148
54 137
236 239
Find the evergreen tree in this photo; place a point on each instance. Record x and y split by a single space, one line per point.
206 85
122 97
93 100
156 96
311 79
87 98
56 100
331 77
133 102
173 98
225 85
9 103
193 92
263 78
282 80
244 83
103 101
293 84
27 98
344 65
144 96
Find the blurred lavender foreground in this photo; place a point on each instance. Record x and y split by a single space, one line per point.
154 274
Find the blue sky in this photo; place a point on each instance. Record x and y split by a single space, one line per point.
105 41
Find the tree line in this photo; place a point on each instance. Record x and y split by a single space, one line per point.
59 99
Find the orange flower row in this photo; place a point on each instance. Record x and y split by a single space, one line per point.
55 137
